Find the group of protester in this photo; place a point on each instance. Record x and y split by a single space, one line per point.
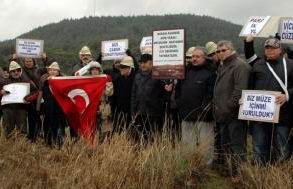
201 109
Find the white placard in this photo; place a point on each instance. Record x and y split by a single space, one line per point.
17 93
286 30
254 25
146 45
259 106
29 48
84 70
168 47
115 49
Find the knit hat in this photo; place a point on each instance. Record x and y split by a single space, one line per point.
189 52
145 57
211 47
55 66
127 61
13 66
85 50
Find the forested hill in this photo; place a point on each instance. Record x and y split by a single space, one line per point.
64 39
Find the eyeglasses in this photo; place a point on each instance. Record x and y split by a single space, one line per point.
223 50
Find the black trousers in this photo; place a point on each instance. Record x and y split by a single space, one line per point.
146 128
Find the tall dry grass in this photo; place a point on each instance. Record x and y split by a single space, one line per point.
270 177
117 164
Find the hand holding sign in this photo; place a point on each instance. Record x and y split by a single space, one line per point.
281 99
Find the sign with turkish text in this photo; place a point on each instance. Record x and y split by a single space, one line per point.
168 54
29 48
115 49
259 106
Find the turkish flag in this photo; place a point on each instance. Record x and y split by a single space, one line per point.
79 98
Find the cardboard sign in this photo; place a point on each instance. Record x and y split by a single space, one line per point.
17 92
254 25
29 48
286 30
168 54
115 49
259 106
146 45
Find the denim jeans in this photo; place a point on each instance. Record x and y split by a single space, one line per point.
270 142
233 143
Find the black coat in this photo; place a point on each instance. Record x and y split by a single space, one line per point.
51 106
148 95
122 92
194 93
263 79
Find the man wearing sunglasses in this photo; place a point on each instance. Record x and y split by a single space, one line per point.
232 78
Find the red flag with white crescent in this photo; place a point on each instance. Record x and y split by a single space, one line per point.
79 98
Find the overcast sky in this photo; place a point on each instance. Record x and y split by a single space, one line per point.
20 16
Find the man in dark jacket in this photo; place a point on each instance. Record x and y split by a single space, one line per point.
274 72
122 93
233 77
148 100
194 97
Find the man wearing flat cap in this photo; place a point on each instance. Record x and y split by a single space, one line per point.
273 72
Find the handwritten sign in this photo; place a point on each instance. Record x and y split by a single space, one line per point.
254 25
17 92
168 54
286 30
146 45
115 49
29 48
259 106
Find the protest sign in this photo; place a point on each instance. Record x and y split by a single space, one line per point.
115 49
168 54
286 30
259 106
17 92
29 48
254 25
146 45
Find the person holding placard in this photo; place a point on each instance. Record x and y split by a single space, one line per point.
274 72
10 121
193 98
232 78
85 57
31 72
148 100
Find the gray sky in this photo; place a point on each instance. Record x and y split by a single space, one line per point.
20 16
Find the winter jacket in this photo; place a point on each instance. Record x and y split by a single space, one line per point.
148 95
263 79
194 93
233 77
122 92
